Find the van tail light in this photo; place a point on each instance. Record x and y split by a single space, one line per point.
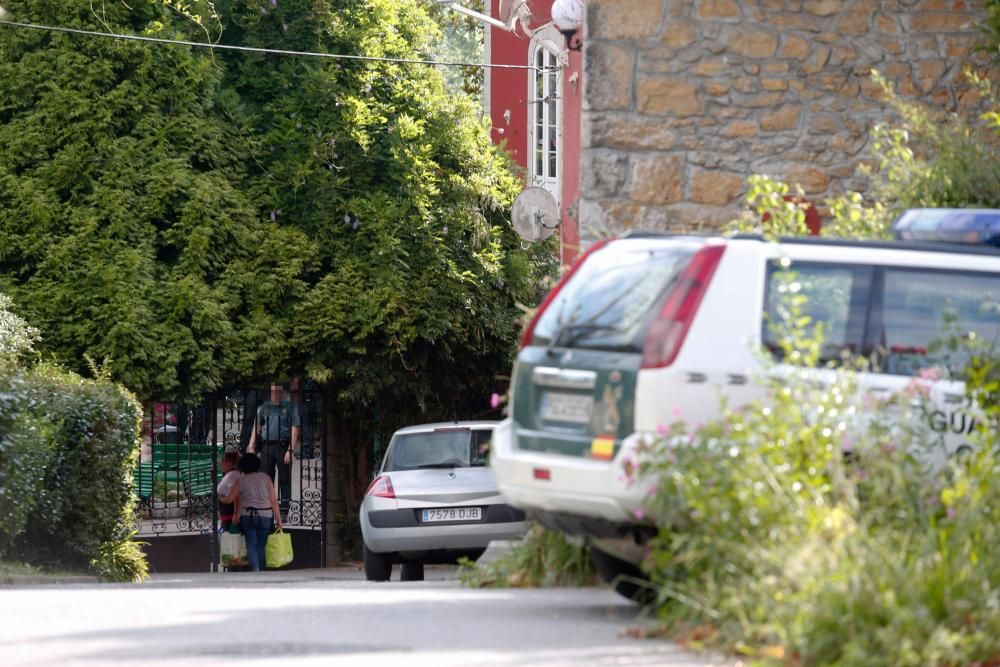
381 487
529 332
667 332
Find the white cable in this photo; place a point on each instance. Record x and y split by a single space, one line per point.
253 49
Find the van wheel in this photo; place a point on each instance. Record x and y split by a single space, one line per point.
378 567
625 578
411 572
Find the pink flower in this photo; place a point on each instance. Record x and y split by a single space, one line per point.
639 514
677 411
951 512
653 490
495 400
889 447
932 373
917 387
663 429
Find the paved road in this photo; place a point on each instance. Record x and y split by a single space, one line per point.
320 617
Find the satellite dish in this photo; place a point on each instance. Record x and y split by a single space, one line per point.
513 10
535 214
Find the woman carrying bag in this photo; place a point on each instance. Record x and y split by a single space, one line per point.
256 505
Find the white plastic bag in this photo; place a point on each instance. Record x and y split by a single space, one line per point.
233 549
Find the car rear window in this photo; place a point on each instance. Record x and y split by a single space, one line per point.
614 294
444 448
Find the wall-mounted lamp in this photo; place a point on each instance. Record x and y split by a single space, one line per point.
568 16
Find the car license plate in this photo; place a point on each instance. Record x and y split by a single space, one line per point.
574 408
452 514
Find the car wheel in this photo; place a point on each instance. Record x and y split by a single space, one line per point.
378 567
411 572
625 578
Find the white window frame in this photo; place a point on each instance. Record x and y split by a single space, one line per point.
552 85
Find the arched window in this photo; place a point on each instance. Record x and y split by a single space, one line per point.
545 114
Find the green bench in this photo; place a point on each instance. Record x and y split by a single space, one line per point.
197 479
147 475
178 454
186 468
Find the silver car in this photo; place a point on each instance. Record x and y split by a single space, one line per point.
434 500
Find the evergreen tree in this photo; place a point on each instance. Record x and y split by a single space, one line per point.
126 229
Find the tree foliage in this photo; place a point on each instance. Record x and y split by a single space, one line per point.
199 218
126 231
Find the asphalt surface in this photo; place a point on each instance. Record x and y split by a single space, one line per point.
322 617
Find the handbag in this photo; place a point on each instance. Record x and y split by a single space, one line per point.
278 552
232 549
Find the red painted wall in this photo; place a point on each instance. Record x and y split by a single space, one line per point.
509 100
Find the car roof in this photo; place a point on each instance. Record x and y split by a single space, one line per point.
427 428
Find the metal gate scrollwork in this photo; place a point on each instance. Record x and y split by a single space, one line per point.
180 461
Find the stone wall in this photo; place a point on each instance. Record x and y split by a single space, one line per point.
686 98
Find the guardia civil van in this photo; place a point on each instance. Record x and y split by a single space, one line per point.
648 327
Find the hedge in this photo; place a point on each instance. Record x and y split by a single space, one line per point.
25 448
69 446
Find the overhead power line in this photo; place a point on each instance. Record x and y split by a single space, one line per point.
254 49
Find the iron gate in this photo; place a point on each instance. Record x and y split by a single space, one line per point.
180 464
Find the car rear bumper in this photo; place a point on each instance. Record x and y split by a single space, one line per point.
580 487
398 531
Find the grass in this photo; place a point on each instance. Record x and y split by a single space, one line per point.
18 569
542 558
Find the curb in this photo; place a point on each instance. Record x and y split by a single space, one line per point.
42 579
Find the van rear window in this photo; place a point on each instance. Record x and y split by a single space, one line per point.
613 296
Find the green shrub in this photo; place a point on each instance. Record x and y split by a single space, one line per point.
120 560
929 158
25 449
542 558
67 450
88 480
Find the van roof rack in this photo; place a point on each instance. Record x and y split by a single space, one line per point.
923 246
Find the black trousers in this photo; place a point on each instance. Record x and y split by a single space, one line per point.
272 459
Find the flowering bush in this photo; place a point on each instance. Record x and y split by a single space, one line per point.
811 528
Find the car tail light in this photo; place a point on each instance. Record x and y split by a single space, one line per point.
543 474
667 332
554 292
381 487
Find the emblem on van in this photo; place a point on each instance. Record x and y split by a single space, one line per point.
614 376
451 475
606 416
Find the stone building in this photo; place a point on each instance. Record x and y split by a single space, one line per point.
683 99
